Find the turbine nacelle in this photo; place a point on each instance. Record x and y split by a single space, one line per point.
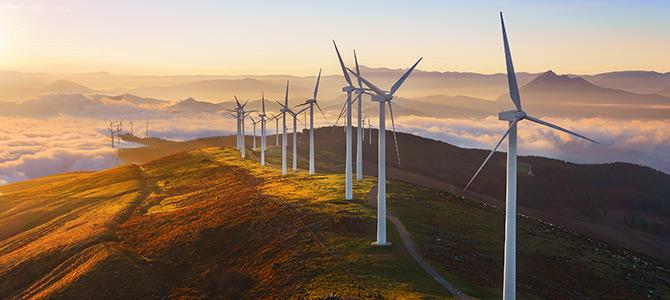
378 98
511 115
310 101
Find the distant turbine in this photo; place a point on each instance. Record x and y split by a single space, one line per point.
384 97
294 114
263 134
348 191
311 103
241 115
283 111
254 122
513 117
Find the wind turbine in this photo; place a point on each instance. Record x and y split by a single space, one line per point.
359 129
513 117
254 122
348 192
284 109
241 115
263 135
311 103
294 114
384 97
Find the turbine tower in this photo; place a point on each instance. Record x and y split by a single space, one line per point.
513 117
311 103
349 89
384 97
276 118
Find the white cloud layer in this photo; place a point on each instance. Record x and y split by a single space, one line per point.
644 142
32 148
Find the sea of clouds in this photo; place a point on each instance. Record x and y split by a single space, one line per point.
34 147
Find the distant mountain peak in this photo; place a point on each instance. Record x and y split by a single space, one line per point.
550 81
66 87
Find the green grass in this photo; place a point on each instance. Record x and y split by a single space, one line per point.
465 239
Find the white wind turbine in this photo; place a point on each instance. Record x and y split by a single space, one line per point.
311 103
254 122
359 128
384 97
294 114
241 114
263 134
284 109
349 89
513 117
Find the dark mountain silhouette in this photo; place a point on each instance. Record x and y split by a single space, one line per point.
66 87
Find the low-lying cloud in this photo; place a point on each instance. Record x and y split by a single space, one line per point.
31 147
644 142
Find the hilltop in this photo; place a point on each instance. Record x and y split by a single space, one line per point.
196 224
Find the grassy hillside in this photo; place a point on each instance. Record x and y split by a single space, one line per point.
198 224
622 203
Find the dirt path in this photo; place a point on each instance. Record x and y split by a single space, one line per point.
406 238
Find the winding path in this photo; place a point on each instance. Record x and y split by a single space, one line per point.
406 238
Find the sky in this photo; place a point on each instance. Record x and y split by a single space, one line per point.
294 36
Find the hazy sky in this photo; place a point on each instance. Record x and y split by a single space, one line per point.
294 37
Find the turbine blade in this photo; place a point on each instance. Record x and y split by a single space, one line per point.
358 71
511 76
395 139
344 68
322 113
356 99
263 101
491 154
280 104
316 88
302 110
286 97
238 101
344 106
545 123
402 78
301 104
373 87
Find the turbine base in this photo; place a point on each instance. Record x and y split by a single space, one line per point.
377 244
